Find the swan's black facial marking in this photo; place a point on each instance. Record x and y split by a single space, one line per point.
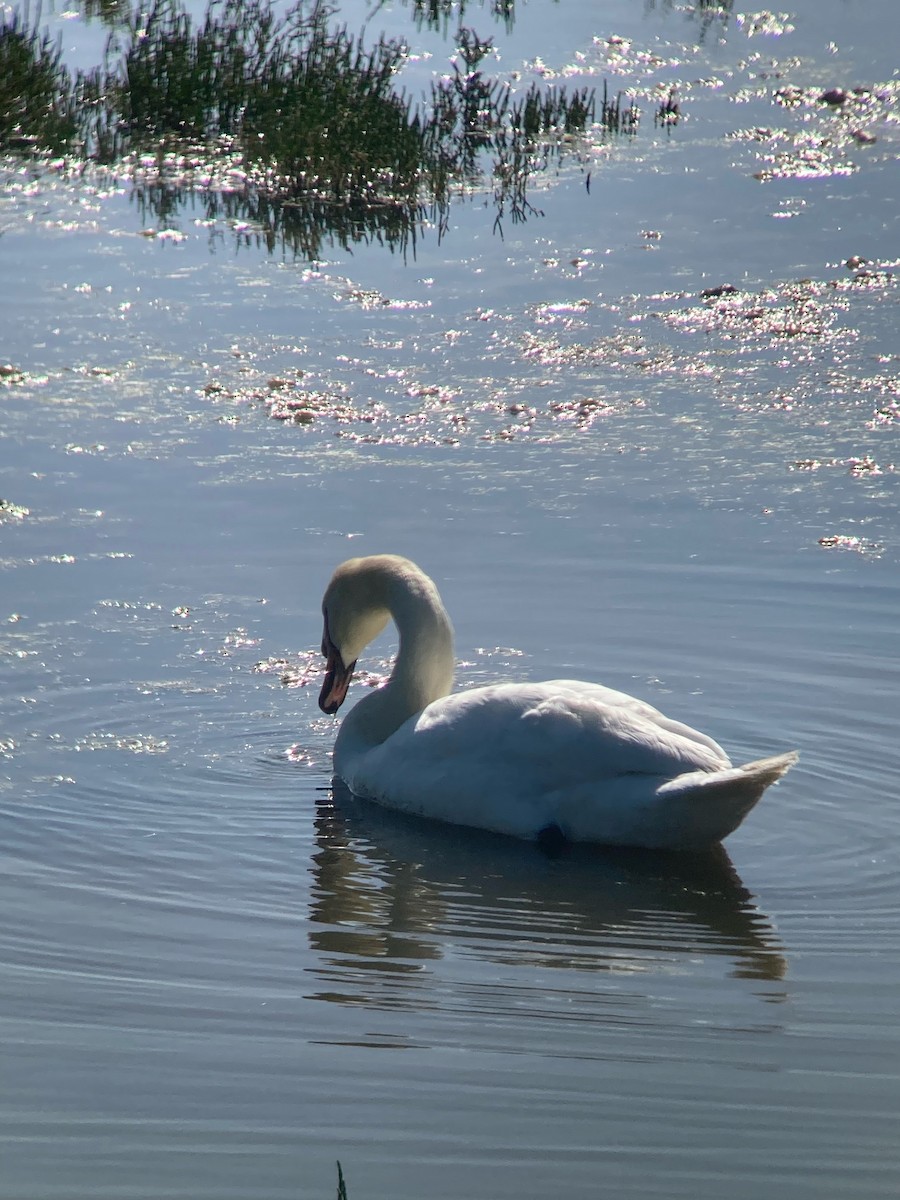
337 676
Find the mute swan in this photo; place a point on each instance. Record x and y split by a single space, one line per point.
563 760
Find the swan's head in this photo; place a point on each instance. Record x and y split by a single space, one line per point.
354 614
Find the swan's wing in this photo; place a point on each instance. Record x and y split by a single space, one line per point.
518 743
607 712
563 729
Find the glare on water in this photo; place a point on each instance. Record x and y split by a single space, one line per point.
647 437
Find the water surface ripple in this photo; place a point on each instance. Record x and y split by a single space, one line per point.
648 438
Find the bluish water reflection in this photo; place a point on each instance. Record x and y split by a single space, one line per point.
216 977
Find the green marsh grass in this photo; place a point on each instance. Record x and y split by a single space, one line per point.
36 96
327 144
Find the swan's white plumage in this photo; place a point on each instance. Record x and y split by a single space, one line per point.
517 758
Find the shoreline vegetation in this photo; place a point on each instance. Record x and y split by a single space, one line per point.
289 122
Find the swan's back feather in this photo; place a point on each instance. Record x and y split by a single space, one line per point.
563 727
601 765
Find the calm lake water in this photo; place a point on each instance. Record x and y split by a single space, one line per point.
216 977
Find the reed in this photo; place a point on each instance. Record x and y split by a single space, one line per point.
440 14
36 108
313 115
342 1187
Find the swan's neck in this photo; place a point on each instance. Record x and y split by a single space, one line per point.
423 670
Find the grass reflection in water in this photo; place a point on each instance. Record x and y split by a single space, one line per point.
289 120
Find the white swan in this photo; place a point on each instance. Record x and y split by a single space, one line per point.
558 760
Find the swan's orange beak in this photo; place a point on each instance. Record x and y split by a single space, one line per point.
337 676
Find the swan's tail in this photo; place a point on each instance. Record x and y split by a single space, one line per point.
712 804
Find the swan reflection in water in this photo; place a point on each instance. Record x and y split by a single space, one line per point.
391 892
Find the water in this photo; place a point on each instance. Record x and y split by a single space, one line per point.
217 977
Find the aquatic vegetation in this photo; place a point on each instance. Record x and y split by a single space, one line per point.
440 14
295 95
668 111
12 512
472 117
707 13
289 119
842 541
110 12
10 374
35 89
341 1186
764 24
